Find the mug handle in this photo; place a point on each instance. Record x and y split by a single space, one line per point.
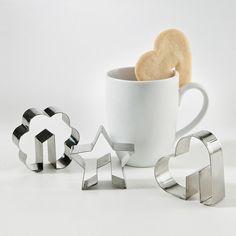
202 112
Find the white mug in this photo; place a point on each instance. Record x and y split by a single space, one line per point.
145 113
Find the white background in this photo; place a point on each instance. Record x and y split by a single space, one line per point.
57 53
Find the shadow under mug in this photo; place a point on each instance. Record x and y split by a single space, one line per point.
145 113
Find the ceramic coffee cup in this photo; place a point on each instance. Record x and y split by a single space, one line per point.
145 113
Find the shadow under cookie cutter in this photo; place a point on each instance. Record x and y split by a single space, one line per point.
208 182
45 136
90 174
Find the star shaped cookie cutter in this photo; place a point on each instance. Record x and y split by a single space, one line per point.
45 136
208 182
90 174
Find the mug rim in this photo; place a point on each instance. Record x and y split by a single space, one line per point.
175 76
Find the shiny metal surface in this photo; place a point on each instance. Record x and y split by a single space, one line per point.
90 167
208 182
45 136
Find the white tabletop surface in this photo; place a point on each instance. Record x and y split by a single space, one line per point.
53 202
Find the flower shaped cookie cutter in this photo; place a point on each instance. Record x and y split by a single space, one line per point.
208 182
45 136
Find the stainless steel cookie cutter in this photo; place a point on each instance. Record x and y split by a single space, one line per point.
45 136
209 181
90 175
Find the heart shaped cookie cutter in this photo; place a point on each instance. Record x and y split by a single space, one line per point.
208 182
